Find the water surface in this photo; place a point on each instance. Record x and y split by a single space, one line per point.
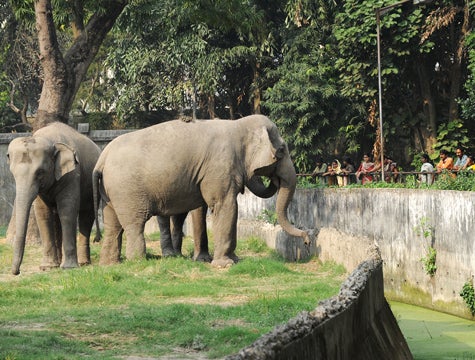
434 335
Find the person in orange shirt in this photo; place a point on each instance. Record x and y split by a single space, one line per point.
446 162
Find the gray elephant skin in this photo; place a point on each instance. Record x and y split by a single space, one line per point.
54 166
177 166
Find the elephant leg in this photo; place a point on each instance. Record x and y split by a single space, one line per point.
165 236
68 217
200 236
86 219
225 232
177 231
135 246
46 226
112 242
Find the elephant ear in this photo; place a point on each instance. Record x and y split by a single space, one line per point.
267 149
65 160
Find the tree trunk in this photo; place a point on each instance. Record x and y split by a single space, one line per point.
256 108
429 129
456 71
63 74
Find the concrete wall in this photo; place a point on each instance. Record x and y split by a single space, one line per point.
347 221
355 324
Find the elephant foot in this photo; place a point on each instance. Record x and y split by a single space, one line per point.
47 267
204 257
170 253
224 262
71 264
234 257
84 261
108 261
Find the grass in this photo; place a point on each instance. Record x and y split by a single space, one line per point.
155 307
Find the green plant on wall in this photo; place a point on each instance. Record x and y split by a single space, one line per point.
425 230
269 216
429 261
468 295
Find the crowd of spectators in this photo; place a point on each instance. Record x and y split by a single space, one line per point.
369 170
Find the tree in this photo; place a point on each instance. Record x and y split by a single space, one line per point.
88 23
20 82
200 57
305 100
423 66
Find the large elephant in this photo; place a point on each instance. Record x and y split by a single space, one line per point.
174 167
54 166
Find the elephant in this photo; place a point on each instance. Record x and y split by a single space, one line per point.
53 167
174 167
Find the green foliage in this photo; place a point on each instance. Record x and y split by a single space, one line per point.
450 135
304 100
429 261
268 215
3 231
308 182
425 230
258 268
254 245
152 308
464 181
468 295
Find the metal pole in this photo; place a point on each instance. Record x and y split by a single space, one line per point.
381 11
378 40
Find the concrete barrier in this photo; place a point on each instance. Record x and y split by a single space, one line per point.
348 220
355 324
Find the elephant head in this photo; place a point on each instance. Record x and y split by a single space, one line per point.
269 156
36 164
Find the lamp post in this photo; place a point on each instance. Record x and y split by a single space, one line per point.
379 12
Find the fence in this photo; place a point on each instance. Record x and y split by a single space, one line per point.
400 176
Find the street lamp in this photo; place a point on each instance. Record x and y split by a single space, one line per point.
379 12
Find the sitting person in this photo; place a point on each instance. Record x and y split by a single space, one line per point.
427 169
333 174
364 172
461 159
320 168
348 169
470 164
391 173
446 163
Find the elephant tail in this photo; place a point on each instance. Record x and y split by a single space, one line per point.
96 176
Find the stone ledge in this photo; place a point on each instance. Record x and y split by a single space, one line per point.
355 324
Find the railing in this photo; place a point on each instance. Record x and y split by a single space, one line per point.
395 177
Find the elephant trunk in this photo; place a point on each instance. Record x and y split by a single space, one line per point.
22 214
258 188
286 192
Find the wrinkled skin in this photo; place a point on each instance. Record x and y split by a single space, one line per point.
175 167
53 167
171 227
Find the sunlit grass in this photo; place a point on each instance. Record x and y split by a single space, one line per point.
154 307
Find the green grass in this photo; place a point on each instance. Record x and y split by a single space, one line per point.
154 307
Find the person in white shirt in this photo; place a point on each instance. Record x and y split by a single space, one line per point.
428 169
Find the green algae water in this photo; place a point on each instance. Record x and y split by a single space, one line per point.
434 335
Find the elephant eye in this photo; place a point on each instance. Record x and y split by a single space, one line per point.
40 173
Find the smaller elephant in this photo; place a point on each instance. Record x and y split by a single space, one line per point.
53 167
171 237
